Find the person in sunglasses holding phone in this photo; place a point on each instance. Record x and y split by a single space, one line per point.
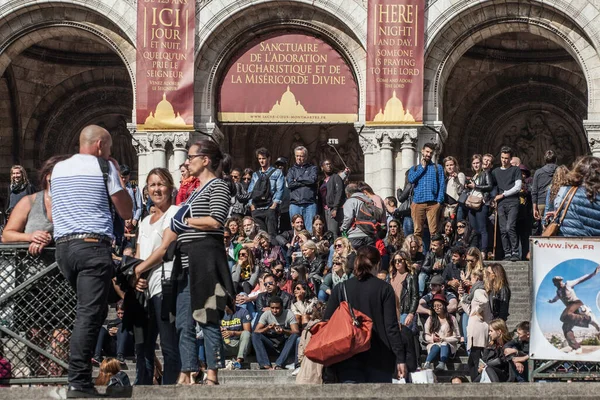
272 289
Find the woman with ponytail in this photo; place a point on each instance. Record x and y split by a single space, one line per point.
376 299
200 271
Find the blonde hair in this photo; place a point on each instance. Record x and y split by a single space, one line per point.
478 265
412 238
108 368
407 263
346 246
499 325
23 173
499 281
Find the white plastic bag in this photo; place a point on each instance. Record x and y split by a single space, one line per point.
485 378
424 376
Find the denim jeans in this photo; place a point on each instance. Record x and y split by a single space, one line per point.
322 296
186 327
88 267
407 226
478 221
263 345
422 282
413 325
308 212
120 344
168 344
464 322
441 351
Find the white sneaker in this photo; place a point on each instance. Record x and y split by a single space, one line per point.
578 351
291 367
296 371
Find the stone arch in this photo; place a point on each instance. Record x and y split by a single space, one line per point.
120 13
234 32
18 33
470 24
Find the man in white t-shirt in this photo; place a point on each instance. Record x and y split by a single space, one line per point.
277 332
83 232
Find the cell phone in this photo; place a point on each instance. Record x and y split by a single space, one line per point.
297 254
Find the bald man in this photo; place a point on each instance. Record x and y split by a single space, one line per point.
82 199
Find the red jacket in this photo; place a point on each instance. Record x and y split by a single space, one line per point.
186 189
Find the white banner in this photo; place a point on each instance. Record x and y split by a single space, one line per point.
566 299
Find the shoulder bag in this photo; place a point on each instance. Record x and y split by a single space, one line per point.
554 226
347 333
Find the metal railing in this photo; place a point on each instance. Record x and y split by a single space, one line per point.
37 311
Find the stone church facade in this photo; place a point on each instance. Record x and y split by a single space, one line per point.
522 73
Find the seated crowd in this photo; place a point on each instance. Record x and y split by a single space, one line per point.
285 268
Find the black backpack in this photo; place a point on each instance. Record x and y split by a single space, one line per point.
368 218
261 192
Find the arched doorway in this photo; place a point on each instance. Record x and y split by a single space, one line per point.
251 25
62 68
513 73
516 89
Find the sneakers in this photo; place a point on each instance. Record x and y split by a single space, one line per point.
236 365
296 371
515 257
427 365
441 366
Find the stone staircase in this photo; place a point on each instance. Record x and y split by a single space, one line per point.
520 281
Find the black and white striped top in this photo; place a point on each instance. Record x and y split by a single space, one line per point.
213 201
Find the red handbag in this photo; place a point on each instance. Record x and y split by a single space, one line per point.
347 333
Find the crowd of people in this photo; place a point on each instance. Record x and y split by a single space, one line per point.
220 270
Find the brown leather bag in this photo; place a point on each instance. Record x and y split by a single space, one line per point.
347 333
554 227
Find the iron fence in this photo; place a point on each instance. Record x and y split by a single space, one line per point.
37 311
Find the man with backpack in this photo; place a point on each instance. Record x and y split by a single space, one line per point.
362 219
266 188
429 186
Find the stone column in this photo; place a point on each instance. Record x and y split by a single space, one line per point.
159 155
180 142
592 128
386 165
408 149
368 147
144 161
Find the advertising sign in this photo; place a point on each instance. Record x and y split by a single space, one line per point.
395 51
289 78
165 65
566 302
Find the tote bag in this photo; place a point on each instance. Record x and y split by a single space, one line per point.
347 333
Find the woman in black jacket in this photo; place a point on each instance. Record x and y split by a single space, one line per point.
405 195
481 185
376 299
466 236
498 290
496 364
405 283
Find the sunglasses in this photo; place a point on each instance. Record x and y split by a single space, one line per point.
243 255
299 288
278 270
338 263
247 179
393 226
460 226
470 260
235 176
398 260
269 283
337 246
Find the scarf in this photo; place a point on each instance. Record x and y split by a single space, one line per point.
338 279
18 187
478 285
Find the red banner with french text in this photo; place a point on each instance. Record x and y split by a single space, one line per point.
395 52
288 78
165 65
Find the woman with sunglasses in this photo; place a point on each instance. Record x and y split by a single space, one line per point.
304 301
405 283
245 272
465 236
413 246
342 247
480 185
246 178
337 275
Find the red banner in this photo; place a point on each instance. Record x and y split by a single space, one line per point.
165 65
289 78
395 51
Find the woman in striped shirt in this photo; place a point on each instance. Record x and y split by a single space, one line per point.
204 284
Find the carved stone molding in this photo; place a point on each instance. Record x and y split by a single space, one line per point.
367 144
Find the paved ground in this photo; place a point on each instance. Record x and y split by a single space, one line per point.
440 391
